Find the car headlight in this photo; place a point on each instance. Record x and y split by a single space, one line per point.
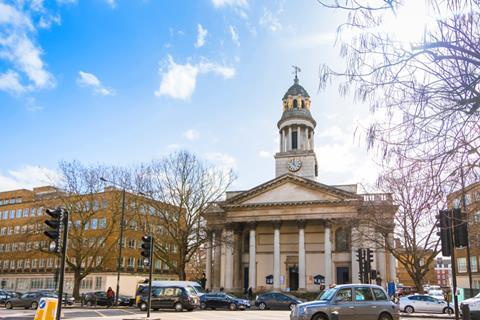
302 309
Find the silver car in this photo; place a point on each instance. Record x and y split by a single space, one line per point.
347 302
424 303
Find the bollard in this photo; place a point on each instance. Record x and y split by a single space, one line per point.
465 311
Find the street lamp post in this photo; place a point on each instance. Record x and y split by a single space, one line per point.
120 242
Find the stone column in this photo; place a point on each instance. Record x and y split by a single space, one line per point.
392 268
299 138
328 254
281 140
252 263
208 264
380 253
355 246
289 139
276 255
301 255
217 260
228 258
312 146
307 142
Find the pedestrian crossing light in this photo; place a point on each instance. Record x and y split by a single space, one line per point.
53 228
147 249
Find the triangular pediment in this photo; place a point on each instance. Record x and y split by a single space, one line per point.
289 188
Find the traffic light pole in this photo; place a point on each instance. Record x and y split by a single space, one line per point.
464 205
62 262
454 263
150 271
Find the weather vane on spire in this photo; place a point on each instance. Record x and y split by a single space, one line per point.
296 70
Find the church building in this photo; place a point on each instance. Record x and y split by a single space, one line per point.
293 232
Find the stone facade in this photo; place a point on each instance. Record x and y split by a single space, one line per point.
293 232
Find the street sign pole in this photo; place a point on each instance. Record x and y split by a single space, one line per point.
64 224
454 262
150 277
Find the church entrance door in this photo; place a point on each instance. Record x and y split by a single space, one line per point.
343 275
293 278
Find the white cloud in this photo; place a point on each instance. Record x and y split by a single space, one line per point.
86 79
201 35
234 34
270 20
264 154
179 80
221 160
191 134
112 3
10 82
28 177
46 22
18 48
230 3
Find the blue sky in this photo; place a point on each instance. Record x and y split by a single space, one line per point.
126 81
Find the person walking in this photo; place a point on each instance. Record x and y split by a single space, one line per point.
203 281
110 297
250 294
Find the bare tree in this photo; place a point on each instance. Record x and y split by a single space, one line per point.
181 188
91 248
418 193
427 91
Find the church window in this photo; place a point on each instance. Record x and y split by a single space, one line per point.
294 140
303 104
342 239
295 105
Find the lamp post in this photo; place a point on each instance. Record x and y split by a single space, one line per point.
120 242
464 209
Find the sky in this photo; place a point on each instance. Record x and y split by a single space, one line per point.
127 81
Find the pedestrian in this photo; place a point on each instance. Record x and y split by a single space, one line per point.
250 294
203 281
221 289
110 297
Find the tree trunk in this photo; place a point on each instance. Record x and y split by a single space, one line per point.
77 279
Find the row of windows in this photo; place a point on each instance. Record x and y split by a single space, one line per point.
29 264
462 264
22 284
469 198
21 213
10 201
92 224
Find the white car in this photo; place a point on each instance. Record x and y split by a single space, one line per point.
438 294
424 303
473 303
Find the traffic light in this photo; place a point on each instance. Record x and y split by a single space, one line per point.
146 249
361 265
460 228
54 228
445 226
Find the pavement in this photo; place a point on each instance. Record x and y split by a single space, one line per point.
133 313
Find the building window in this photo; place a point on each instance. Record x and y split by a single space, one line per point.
473 263
86 225
5 215
86 283
131 244
342 239
12 214
133 225
95 205
476 216
32 212
462 264
294 140
102 223
19 213
94 224
131 262
36 283
98 283
40 211
25 212
50 283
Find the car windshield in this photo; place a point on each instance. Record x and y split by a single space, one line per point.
199 289
191 291
328 294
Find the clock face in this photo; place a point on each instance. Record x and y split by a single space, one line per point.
294 165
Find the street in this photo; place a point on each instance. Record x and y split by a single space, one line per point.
74 313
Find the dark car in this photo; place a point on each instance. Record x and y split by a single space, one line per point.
28 300
169 297
99 298
222 300
276 300
5 295
66 297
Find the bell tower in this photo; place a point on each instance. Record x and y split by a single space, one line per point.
296 129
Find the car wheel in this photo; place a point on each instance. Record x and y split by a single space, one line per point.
291 306
319 317
448 310
262 306
203 306
8 305
409 309
385 316
232 306
34 305
155 309
178 307
143 306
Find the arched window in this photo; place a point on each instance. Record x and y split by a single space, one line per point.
295 105
342 239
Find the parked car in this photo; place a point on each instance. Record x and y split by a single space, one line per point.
169 297
436 293
28 300
349 301
222 300
276 300
99 298
66 297
473 303
424 303
5 295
